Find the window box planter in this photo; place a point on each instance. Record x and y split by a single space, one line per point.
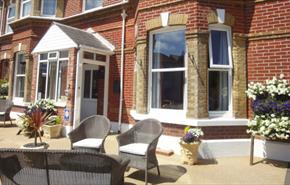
52 131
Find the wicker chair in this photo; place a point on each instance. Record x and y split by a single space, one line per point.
55 167
5 108
90 134
139 145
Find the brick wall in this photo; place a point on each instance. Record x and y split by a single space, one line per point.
268 52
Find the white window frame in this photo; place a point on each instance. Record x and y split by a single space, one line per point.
22 5
228 68
48 61
18 99
227 29
42 8
98 7
9 19
178 112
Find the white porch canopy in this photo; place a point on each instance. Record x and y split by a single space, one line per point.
63 37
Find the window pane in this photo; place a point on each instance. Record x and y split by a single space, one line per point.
92 4
11 12
26 9
63 54
42 80
95 84
219 44
168 50
51 80
167 90
100 57
43 56
49 7
19 91
87 83
218 91
20 64
62 79
88 55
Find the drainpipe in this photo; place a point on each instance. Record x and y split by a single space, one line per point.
2 17
124 15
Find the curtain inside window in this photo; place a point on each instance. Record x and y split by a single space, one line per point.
42 80
219 44
62 79
49 7
51 80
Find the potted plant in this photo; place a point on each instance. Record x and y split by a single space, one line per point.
52 128
35 116
189 145
270 102
33 121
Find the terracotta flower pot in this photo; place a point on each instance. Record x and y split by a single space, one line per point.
189 152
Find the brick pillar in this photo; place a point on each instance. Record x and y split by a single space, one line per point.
239 77
17 9
35 7
11 79
28 78
142 76
59 8
197 104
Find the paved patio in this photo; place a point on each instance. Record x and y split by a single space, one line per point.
235 170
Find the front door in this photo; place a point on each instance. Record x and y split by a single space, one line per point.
89 99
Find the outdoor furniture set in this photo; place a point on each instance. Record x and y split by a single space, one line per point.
85 163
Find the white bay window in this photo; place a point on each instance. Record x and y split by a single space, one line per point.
167 69
220 71
52 75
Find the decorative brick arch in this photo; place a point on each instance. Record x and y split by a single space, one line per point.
173 20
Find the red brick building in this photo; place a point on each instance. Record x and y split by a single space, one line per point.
181 62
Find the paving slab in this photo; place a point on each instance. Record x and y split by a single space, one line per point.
231 170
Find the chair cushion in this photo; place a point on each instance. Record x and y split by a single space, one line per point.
89 143
135 148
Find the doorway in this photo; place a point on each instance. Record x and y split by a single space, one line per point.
90 91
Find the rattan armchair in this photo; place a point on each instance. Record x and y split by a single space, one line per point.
139 145
90 134
5 108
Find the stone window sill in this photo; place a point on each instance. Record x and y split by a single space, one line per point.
179 119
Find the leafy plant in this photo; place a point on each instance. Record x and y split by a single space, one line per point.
33 122
54 120
3 88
